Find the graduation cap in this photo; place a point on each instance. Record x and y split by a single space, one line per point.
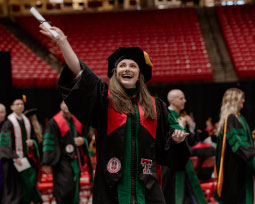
134 53
30 112
20 96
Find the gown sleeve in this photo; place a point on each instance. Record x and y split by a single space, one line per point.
238 139
50 145
168 152
6 135
85 96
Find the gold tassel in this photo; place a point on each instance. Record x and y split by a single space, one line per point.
147 59
24 98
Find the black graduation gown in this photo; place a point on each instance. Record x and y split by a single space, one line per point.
238 165
13 183
87 98
1 168
64 161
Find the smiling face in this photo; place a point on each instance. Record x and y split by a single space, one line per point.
127 72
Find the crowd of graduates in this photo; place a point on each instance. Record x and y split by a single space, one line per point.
25 153
143 147
65 146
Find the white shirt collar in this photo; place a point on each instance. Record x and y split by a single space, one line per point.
18 117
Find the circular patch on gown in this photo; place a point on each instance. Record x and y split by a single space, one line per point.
113 165
69 148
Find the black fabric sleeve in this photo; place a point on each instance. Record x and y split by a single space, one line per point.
85 133
51 147
168 152
246 153
192 139
238 139
6 137
84 96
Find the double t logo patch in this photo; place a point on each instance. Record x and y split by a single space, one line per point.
146 164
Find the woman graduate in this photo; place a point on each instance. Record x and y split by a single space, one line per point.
235 152
133 130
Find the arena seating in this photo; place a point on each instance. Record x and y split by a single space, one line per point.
28 70
172 37
238 25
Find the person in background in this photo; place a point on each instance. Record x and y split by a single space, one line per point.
177 101
2 115
235 152
64 144
253 136
18 149
2 120
205 152
31 114
181 186
133 130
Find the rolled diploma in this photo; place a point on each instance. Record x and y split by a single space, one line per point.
39 17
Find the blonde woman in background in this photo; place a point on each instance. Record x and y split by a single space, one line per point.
235 152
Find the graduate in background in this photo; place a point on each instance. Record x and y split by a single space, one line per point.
235 152
64 146
2 120
31 114
17 144
2 115
181 186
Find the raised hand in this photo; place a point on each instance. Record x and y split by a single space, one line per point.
189 120
78 141
70 57
47 33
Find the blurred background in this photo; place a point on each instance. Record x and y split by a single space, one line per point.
202 47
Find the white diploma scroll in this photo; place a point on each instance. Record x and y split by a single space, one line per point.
39 17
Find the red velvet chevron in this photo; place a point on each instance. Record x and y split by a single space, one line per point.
63 125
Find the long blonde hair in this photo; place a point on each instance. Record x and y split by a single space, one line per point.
122 103
230 105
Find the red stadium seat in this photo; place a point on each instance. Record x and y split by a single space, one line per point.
172 35
25 64
45 186
238 25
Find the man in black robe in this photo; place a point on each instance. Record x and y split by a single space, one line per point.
2 115
64 145
182 186
2 120
18 146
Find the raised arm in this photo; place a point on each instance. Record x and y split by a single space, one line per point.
70 57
